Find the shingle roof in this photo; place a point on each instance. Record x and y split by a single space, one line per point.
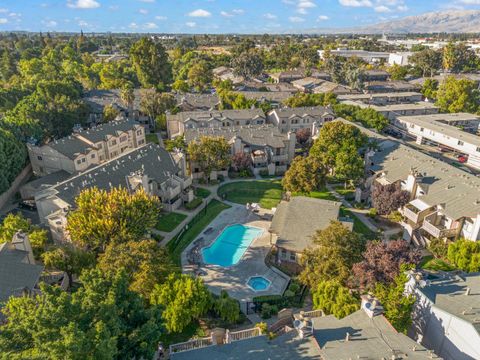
254 135
370 338
266 95
381 95
447 291
297 220
245 114
198 101
156 162
285 113
98 99
16 275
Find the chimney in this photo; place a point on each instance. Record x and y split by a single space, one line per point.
347 337
467 292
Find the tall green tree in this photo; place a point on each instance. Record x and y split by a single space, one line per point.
429 61
227 308
102 217
155 104
248 64
182 299
210 153
332 297
16 222
429 88
200 75
304 99
458 96
465 255
151 63
305 175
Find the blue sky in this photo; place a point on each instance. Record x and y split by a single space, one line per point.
209 16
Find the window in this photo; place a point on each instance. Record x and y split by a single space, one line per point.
100 145
39 158
460 143
83 160
92 156
293 256
79 162
123 138
141 142
421 129
478 149
283 253
139 132
113 142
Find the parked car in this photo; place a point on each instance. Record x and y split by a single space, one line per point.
462 158
28 205
444 149
393 133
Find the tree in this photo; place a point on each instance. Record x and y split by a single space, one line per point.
336 250
16 222
304 99
69 259
103 319
429 88
459 58
398 306
334 149
306 174
429 61
102 217
368 117
382 262
175 143
150 61
227 308
303 135
247 64
389 198
180 86
127 95
241 161
398 72
13 155
210 153
199 75
110 113
458 96
155 104
182 299
333 298
465 255
144 262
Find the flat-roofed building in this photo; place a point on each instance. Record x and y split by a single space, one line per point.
392 111
383 98
389 86
371 57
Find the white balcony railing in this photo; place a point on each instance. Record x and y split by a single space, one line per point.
242 334
191 345
411 215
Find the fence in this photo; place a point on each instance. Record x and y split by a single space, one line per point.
242 334
191 345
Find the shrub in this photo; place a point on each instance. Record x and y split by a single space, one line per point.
388 198
194 203
227 308
268 310
263 173
289 293
294 287
465 255
372 213
263 327
439 248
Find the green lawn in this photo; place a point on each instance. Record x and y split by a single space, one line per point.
267 193
431 263
201 192
169 221
152 138
358 226
323 194
195 227
190 331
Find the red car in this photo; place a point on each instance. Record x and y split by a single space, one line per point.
462 159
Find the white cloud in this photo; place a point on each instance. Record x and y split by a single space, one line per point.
238 11
143 11
382 9
356 3
147 1
226 14
83 23
306 4
232 13
159 17
83 4
133 25
269 16
322 18
191 24
402 8
49 23
150 25
3 21
3 11
296 19
200 13
470 2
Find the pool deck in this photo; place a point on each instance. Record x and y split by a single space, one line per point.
234 279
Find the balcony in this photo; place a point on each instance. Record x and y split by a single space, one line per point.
411 213
280 158
434 224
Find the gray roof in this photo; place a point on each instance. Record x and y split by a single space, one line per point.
381 95
198 101
285 113
72 146
329 86
253 135
98 99
447 291
454 189
282 87
15 274
393 107
245 114
286 346
152 160
393 85
307 82
370 338
438 123
442 77
277 96
297 220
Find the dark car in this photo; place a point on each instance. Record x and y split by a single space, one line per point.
28 205
393 133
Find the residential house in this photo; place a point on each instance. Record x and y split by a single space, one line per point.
274 98
98 99
86 148
150 168
306 84
388 86
224 73
445 200
293 75
266 87
393 111
441 78
268 149
293 119
447 131
296 221
337 89
383 98
197 102
19 274
176 124
446 316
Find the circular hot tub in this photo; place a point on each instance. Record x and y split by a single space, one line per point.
258 283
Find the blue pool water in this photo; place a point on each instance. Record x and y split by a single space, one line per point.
258 283
229 247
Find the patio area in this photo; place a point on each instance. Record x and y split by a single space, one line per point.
234 279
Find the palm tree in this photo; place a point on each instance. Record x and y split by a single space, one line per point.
127 95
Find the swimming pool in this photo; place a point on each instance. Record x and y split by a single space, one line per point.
258 283
229 247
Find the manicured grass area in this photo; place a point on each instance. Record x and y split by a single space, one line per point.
348 194
195 227
152 138
194 203
323 194
431 263
169 221
190 331
358 226
201 192
267 193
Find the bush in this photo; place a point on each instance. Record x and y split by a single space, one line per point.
439 248
194 203
268 311
465 255
227 308
288 294
267 298
372 213
263 327
294 287
263 173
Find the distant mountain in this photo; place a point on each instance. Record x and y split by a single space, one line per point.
452 21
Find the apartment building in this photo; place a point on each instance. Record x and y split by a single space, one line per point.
446 316
445 201
274 98
86 148
150 168
393 111
197 102
389 86
383 98
293 119
269 149
371 57
176 124
447 130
